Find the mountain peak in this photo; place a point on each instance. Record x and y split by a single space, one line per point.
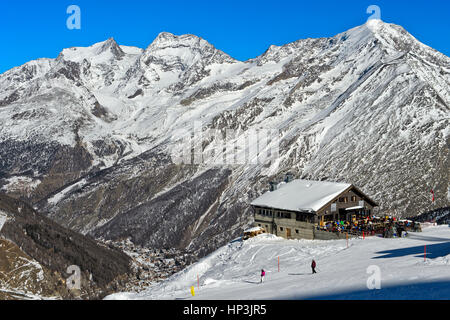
392 37
165 36
112 46
187 48
77 54
374 23
110 42
167 39
379 27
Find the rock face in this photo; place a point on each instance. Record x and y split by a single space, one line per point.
90 137
440 216
36 253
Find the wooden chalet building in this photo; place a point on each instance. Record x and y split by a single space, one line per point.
294 209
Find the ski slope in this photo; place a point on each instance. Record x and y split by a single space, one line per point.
232 272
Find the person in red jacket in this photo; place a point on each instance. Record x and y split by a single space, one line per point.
263 273
313 266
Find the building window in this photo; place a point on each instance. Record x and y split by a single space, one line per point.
303 217
353 199
281 228
259 225
296 230
343 199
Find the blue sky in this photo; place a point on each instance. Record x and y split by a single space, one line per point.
243 29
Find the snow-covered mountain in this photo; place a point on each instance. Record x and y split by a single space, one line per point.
89 137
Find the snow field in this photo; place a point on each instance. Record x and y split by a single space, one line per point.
232 272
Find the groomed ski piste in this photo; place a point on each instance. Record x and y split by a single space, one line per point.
407 270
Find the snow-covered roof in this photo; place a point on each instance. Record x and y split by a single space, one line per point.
301 195
254 229
354 208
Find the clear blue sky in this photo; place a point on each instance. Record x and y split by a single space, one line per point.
243 29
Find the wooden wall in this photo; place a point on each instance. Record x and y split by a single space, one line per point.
288 228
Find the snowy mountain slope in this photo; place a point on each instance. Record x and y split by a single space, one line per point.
232 272
369 106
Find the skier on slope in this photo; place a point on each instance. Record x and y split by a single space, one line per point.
313 266
263 274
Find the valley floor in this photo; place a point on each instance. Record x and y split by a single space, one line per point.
232 272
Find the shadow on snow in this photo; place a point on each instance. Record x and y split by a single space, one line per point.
432 251
435 290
